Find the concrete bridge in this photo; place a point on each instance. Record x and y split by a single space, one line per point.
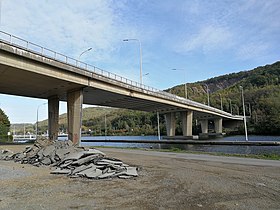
27 69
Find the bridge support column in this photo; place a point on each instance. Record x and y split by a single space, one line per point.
53 117
170 123
187 118
74 114
204 126
218 125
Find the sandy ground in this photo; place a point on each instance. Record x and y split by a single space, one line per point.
166 181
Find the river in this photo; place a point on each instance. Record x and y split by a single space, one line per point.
201 148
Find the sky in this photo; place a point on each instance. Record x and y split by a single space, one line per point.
202 39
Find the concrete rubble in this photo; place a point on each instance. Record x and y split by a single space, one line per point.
66 159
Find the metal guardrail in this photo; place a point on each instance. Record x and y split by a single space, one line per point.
50 54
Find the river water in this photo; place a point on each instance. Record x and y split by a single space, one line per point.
202 148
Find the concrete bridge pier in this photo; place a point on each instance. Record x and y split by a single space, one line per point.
170 120
74 114
53 117
187 118
218 123
204 129
204 126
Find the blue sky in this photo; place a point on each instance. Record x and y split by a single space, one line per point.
204 38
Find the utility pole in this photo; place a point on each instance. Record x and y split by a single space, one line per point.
244 114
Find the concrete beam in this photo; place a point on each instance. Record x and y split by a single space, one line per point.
218 125
74 114
170 120
53 117
204 126
187 118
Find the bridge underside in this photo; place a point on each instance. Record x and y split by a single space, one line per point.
15 81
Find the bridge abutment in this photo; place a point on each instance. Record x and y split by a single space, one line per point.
74 114
187 118
53 117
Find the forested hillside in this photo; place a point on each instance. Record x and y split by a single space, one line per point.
261 91
262 99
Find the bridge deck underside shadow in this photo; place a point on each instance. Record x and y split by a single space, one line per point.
110 99
16 81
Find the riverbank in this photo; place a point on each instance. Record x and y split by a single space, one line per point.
166 181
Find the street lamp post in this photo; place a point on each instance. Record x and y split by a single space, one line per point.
221 102
249 107
158 128
37 122
244 114
230 106
208 97
237 108
105 124
186 88
89 49
140 52
145 74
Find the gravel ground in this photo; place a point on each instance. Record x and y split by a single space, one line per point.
166 181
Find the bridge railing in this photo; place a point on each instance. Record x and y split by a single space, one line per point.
97 72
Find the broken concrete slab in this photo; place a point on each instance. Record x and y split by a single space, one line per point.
74 156
87 159
93 173
131 171
94 151
104 160
106 175
82 168
48 150
73 161
61 153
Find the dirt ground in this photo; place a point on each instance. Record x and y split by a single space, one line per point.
164 182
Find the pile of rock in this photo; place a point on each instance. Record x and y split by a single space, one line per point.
72 161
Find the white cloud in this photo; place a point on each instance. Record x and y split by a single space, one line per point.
67 26
207 39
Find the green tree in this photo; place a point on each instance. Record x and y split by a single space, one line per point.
4 125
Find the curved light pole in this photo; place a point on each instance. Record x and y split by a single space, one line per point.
145 74
250 109
237 108
230 106
221 101
38 119
186 89
89 49
244 114
140 52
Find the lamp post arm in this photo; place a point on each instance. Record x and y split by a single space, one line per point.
84 52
